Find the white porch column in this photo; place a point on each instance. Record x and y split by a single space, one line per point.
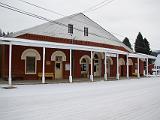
10 65
105 67
127 68
147 67
91 76
70 72
138 75
117 67
156 71
43 67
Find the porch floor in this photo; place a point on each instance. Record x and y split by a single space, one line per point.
31 82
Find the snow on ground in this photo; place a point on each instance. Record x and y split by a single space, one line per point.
136 99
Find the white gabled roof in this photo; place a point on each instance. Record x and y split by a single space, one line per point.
79 21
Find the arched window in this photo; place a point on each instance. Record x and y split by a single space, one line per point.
130 62
121 62
85 61
58 56
109 61
30 56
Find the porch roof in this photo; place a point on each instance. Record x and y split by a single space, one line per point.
140 55
46 44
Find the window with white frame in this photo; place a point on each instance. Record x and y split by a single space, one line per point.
31 56
30 65
85 31
70 28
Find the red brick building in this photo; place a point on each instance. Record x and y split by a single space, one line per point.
71 47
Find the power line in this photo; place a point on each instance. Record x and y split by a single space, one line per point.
101 6
45 19
92 7
43 8
98 6
49 10
48 20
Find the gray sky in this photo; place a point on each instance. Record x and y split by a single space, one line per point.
125 17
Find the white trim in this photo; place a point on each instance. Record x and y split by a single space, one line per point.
110 55
70 70
31 53
45 43
43 65
121 61
117 76
86 57
140 55
138 70
58 53
147 66
110 59
105 67
127 67
91 76
10 65
130 62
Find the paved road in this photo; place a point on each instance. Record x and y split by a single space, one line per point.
105 100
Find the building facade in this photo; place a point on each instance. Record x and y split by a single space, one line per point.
82 55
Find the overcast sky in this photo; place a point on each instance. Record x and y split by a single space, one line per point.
124 17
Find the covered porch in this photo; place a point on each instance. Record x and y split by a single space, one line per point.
108 53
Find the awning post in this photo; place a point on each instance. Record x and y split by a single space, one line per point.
147 67
43 67
105 67
138 75
117 67
91 76
10 65
127 67
70 72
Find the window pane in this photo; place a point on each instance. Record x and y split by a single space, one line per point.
83 60
95 67
95 56
30 64
70 28
83 67
59 58
85 31
58 66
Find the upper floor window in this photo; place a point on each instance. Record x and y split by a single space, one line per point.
70 28
85 31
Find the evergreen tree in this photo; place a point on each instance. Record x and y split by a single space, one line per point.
139 44
1 33
142 45
127 42
7 35
147 47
